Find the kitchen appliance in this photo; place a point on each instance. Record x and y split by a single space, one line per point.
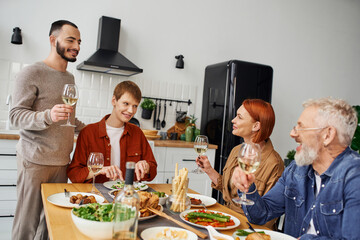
226 86
107 59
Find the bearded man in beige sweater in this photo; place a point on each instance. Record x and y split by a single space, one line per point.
44 148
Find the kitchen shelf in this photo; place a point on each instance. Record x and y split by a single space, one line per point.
169 100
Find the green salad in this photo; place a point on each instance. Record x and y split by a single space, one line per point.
121 184
118 185
241 232
95 212
105 213
160 194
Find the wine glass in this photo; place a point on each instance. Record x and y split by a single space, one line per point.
70 96
200 145
95 163
249 161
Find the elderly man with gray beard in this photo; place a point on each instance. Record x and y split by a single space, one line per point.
319 193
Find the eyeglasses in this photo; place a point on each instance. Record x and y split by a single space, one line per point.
296 130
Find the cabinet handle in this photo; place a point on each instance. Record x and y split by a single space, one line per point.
8 185
2 216
189 160
8 154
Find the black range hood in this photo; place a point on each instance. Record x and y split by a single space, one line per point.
107 59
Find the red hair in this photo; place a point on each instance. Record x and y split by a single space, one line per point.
262 112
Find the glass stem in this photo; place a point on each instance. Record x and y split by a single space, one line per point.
68 120
93 188
243 197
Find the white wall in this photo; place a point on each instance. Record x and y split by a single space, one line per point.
313 46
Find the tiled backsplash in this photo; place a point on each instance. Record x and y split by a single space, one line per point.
96 92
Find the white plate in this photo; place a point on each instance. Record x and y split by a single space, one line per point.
109 185
150 233
59 199
208 201
236 220
151 216
273 235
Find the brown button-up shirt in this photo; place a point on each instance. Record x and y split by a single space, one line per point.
93 138
269 171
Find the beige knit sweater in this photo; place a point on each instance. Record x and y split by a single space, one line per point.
38 88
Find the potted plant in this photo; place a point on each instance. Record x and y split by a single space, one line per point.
290 156
355 143
147 106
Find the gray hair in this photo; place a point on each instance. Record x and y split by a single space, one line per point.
337 113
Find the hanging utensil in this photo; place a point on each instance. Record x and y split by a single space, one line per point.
158 127
154 123
180 115
163 123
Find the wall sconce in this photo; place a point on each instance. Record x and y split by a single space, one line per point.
180 61
16 37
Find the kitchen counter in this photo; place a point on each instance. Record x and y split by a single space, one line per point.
178 143
9 135
14 135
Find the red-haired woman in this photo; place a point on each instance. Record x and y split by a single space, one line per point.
254 122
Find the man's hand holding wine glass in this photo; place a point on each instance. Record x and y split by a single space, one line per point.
241 180
60 112
249 160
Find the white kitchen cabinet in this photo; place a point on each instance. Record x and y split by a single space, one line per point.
8 178
167 157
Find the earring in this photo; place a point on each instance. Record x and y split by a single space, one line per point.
325 145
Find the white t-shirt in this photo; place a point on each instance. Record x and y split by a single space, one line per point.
115 134
311 229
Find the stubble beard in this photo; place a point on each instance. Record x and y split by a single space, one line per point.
61 51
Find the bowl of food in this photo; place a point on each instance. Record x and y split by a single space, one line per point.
94 220
150 132
162 197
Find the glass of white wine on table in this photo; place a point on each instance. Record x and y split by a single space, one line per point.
201 146
249 161
95 163
70 96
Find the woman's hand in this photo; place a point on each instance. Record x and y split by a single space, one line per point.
203 162
241 180
112 172
141 168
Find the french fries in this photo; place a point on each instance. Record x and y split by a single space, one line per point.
179 189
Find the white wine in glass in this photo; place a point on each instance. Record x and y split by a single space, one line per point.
70 96
95 163
201 146
249 161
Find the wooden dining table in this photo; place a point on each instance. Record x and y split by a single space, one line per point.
61 226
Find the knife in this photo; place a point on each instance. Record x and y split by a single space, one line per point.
252 229
154 123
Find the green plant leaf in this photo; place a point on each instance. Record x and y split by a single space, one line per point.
355 143
291 154
148 104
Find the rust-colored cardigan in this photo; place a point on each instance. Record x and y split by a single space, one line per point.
93 138
269 171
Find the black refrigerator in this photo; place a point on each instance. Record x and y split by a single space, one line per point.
226 85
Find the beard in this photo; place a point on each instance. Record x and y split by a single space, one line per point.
306 156
61 51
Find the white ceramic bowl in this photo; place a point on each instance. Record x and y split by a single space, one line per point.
93 229
162 200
